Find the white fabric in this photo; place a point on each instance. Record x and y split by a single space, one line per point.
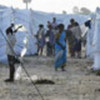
96 65
18 73
89 47
54 25
96 41
40 33
77 32
90 39
84 30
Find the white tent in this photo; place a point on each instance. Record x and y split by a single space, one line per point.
90 35
19 17
30 20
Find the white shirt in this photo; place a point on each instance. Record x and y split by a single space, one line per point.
10 44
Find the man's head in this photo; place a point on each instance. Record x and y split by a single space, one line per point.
54 19
72 21
88 24
48 22
41 26
50 26
61 27
12 24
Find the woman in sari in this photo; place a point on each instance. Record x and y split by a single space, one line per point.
60 48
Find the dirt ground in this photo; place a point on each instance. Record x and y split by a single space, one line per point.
76 83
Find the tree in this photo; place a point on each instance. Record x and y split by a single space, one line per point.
76 10
64 12
85 11
26 2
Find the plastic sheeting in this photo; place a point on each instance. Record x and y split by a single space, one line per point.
30 20
96 41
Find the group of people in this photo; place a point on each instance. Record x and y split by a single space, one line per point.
74 38
55 39
48 38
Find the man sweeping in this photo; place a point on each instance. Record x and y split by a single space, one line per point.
12 60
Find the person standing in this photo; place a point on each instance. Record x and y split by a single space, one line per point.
54 23
41 39
60 48
50 37
71 37
77 34
12 60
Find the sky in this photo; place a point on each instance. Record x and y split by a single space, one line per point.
55 6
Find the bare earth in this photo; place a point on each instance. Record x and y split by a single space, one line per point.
76 83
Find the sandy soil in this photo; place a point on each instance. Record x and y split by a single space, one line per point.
76 83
